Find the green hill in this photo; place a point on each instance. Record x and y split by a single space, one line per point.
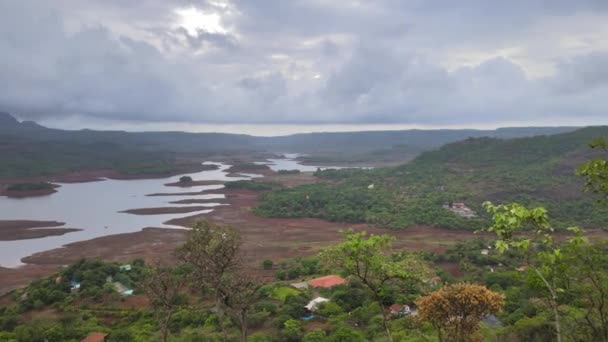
28 149
535 171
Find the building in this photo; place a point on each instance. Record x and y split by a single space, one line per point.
398 310
313 305
327 281
299 286
95 337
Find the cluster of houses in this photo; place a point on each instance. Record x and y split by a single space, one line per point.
460 209
329 281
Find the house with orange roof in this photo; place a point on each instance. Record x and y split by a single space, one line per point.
95 337
327 281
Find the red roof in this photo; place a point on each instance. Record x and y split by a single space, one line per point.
95 337
396 307
327 281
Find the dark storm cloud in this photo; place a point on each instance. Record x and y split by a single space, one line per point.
419 62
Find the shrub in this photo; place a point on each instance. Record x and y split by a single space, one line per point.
185 179
267 264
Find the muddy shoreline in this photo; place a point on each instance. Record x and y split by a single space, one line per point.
86 176
13 230
165 210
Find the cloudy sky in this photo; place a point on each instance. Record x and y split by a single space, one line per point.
274 65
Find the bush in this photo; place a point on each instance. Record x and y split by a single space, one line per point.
252 185
292 330
267 264
185 179
316 335
30 186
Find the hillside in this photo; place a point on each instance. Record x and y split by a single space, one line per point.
29 149
534 170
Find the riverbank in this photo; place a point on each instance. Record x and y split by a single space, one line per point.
85 176
12 230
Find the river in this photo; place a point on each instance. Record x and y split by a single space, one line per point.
95 207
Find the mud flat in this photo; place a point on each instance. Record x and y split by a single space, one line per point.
194 183
4 191
201 201
23 229
264 238
166 210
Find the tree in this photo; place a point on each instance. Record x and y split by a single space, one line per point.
292 330
213 252
185 179
239 292
456 310
267 264
595 172
368 259
542 254
162 286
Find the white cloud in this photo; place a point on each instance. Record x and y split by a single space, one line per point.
305 62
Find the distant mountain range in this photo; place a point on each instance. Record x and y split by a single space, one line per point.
416 140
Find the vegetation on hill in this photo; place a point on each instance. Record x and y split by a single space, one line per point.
28 149
497 298
252 185
533 171
30 186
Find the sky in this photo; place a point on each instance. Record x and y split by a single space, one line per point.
274 66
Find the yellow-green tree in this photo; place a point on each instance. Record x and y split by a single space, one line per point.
456 310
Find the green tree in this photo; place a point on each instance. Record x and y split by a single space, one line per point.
595 172
213 252
162 286
542 254
316 335
368 258
185 179
292 330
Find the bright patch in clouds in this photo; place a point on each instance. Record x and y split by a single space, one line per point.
192 19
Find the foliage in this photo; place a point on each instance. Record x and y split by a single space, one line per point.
456 310
368 259
267 264
534 171
185 179
30 186
163 287
282 292
252 185
595 172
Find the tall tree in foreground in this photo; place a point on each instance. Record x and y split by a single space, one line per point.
213 252
456 310
542 254
239 292
368 258
163 285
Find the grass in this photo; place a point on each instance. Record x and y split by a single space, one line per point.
282 292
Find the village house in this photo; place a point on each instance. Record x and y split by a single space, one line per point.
313 305
327 281
398 310
95 337
300 286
